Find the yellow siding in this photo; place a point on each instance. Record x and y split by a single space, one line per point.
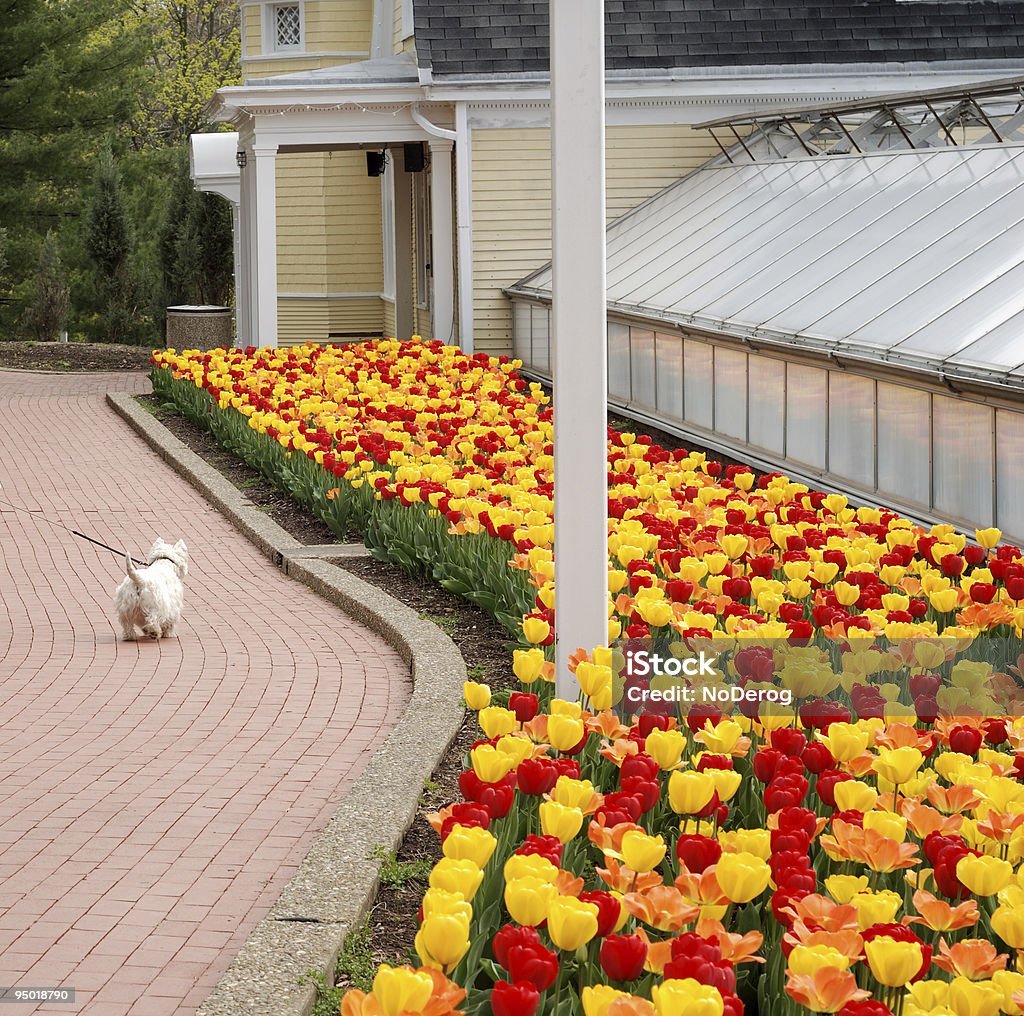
352 204
512 204
301 224
389 326
330 27
315 320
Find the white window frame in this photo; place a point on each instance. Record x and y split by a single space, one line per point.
408 22
270 44
387 219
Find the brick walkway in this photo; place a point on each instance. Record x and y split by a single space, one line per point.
154 797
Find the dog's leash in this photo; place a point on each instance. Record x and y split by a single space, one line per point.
73 532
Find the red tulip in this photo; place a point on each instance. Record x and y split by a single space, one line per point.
519 999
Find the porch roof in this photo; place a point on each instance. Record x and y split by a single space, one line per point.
914 258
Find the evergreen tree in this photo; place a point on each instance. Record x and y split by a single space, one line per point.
109 245
47 313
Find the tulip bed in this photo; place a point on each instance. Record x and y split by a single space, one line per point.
858 853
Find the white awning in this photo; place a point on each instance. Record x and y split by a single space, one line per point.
213 163
913 257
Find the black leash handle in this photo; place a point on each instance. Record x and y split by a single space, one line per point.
113 550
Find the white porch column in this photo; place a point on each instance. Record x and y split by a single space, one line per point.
242 306
402 183
263 168
464 204
579 346
442 252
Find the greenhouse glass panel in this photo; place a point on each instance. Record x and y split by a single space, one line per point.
903 443
1010 472
851 427
962 459
805 414
618 360
731 393
521 332
697 383
541 329
641 365
669 357
767 402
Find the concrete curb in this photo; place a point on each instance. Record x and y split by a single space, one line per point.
336 882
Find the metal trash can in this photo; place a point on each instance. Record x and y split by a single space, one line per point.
198 327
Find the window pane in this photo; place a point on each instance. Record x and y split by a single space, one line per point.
731 392
1010 472
641 364
669 354
618 360
697 377
962 436
287 26
521 332
767 402
903 443
805 415
851 427
540 320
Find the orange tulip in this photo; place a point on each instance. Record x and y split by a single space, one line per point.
623 880
974 958
828 989
940 916
663 908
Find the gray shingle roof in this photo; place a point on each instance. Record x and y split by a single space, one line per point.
484 37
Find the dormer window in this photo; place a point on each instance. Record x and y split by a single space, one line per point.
285 27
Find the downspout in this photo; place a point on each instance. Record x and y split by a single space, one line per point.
379 34
431 128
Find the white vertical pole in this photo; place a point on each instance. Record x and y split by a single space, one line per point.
264 170
241 279
442 256
405 315
464 201
579 347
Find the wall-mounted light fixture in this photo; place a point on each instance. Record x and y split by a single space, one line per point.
241 158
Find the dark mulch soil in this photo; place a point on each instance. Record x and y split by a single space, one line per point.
67 356
484 645
280 507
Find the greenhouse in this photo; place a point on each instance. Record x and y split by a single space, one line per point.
839 294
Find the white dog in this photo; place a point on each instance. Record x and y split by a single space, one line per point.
151 597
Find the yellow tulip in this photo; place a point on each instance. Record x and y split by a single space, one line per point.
846 741
536 630
805 959
686 997
477 696
876 907
571 922
885 823
558 820
846 593
974 998
666 747
528 899
529 866
689 792
984 876
495 721
489 764
642 852
469 843
597 999
988 538
402 989
750 841
893 963
852 795
573 793
721 738
742 876
437 901
443 939
842 888
527 664
944 600
1008 924
897 765
564 732
456 877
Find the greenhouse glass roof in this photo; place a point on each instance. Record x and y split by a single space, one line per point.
914 257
